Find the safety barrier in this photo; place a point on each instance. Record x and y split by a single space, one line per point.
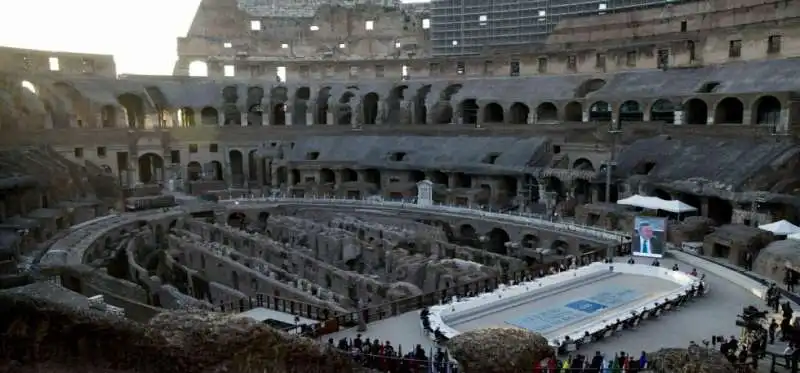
458 211
438 315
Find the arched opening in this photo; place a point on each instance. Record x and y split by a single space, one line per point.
573 112
420 109
279 114
469 111
255 112
252 165
662 111
216 171
209 116
370 108
134 109
327 176
497 241
519 113
345 116
589 86
296 176
151 168
439 177
198 68
194 171
462 180
493 113
720 210
696 111
282 174
730 110
231 116
468 232
444 106
300 107
108 116
600 111
767 110
263 217
560 247
349 175
322 105
186 117
236 165
237 219
529 241
416 176
373 176
661 193
631 111
583 164
553 184
547 112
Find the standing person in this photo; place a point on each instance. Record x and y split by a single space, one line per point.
748 261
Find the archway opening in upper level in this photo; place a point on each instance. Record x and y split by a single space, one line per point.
631 111
730 110
420 109
151 168
600 111
469 111
696 111
583 164
108 116
573 112
255 112
519 113
493 113
662 111
345 116
279 114
546 112
589 86
209 116
327 176
370 108
497 241
322 105
198 68
300 106
134 109
767 110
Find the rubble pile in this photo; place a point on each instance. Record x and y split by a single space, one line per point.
681 360
39 335
499 350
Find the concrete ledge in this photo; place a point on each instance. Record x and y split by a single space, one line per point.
756 288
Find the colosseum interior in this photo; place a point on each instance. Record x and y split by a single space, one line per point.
121 186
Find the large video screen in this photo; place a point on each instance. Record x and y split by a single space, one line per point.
649 236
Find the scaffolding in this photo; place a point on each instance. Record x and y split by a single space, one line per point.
473 27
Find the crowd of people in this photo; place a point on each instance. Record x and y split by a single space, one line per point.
382 356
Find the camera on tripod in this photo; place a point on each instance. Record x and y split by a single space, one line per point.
751 318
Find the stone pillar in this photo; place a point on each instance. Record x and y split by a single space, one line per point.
783 122
678 117
710 115
646 116
542 192
585 115
290 177
704 207
329 118
273 178
451 181
310 117
220 118
259 172
198 118
244 121
288 114
596 192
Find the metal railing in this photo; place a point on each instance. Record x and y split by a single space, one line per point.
522 218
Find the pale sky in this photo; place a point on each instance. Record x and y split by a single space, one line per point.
141 34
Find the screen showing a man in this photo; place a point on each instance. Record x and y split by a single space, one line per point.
649 237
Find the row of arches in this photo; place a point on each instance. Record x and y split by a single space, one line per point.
497 241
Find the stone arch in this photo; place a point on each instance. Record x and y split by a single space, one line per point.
560 247
729 110
296 176
186 117
349 175
198 68
468 232
322 105
255 112
134 109
439 177
252 165
369 108
493 113
600 111
278 97
529 241
373 176
554 184
573 112
345 116
518 113
696 111
236 159
583 164
216 171
108 116
766 110
394 110
302 96
237 219
497 241
420 109
230 109
449 91
631 111
263 217
589 86
209 116
151 168
69 104
546 112
662 110
327 176
194 171
469 111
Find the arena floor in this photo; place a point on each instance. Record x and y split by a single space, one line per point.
575 303
699 320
